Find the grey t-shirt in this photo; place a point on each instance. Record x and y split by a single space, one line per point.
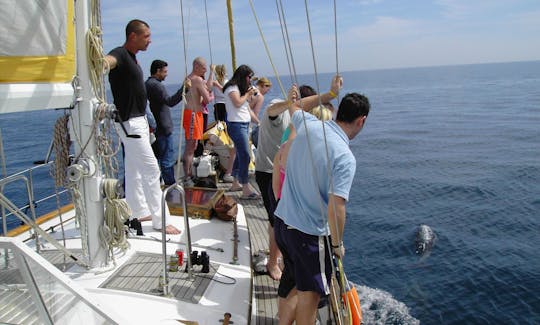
270 132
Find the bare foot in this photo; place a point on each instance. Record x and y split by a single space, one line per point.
172 230
147 218
274 271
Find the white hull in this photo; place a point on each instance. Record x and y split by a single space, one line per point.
232 294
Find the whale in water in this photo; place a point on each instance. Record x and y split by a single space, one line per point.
424 240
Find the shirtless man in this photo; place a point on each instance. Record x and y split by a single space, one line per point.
199 95
143 191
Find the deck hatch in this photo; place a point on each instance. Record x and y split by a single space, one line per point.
141 274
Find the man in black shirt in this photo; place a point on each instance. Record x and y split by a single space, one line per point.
143 191
160 104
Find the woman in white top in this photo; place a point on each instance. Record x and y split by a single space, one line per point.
237 92
220 114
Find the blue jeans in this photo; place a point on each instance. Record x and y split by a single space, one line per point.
167 158
239 133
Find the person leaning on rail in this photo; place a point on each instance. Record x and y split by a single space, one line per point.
320 170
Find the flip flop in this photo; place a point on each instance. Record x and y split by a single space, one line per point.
234 189
252 196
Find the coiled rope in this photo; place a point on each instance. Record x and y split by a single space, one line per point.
113 231
61 143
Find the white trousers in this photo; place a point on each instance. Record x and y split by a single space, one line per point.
142 174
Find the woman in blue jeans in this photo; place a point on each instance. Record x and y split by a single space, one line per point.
238 92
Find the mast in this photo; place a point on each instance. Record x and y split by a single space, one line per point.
91 182
231 34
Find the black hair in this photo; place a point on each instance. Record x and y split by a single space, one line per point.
239 79
135 26
156 65
352 106
306 91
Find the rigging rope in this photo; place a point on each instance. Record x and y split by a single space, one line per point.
267 50
285 36
208 32
331 202
183 105
331 185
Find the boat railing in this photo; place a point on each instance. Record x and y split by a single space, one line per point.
6 203
32 201
14 210
165 275
34 291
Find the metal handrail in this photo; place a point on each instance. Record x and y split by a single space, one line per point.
30 193
5 202
164 239
30 172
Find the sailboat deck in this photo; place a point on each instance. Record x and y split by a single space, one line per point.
143 270
264 287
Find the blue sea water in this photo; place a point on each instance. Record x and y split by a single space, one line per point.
456 148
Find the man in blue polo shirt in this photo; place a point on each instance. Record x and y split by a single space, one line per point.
319 174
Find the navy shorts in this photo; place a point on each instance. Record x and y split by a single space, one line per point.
306 259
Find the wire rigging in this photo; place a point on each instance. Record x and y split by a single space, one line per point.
331 185
208 32
184 42
284 35
267 50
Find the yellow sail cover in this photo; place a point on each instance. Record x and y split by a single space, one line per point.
37 52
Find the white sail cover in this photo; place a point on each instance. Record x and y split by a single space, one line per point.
37 54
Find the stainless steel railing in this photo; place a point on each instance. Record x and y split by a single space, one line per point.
164 239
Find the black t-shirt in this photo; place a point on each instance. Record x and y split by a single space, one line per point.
127 84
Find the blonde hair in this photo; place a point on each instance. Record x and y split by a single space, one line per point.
321 112
221 71
264 81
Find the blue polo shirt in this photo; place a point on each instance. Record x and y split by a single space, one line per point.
307 184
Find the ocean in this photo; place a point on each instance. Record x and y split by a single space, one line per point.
456 148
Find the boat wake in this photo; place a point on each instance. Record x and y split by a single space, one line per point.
380 307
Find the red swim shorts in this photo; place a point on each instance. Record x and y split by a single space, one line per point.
193 125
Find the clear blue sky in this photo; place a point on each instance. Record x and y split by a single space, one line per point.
372 34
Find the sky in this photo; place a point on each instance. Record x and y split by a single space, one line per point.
371 34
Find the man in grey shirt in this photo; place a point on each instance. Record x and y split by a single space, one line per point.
271 130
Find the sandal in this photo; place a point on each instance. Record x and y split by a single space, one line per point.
252 196
234 189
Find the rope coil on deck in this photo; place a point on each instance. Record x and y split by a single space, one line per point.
113 231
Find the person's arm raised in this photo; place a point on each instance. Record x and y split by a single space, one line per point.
110 62
306 103
280 107
210 81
